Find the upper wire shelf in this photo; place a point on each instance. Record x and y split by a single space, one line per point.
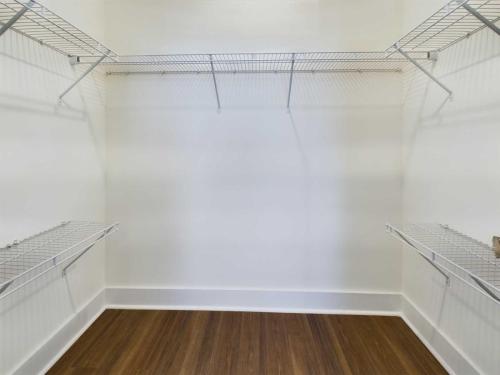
29 259
310 62
449 25
40 24
452 252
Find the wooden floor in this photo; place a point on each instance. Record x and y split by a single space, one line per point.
219 343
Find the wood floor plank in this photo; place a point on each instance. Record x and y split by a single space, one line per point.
219 343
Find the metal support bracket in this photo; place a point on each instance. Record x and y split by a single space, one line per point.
104 234
92 67
425 71
291 81
402 237
5 286
16 17
431 262
215 81
479 16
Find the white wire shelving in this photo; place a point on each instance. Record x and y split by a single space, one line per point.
306 62
453 253
288 63
454 22
27 260
36 22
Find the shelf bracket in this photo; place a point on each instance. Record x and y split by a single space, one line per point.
215 81
431 262
485 288
6 26
291 81
104 234
479 16
402 237
5 286
92 67
422 69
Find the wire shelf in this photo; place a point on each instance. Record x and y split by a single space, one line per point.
449 25
467 259
42 25
310 62
25 261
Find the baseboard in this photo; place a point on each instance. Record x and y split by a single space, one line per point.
289 301
330 302
452 359
48 353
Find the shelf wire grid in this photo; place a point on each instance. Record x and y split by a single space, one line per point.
24 261
466 258
449 25
42 25
307 62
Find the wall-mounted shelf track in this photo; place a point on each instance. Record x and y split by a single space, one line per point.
25 261
455 254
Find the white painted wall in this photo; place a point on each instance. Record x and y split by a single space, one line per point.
254 197
52 168
451 159
211 26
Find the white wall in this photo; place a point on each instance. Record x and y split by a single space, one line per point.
451 159
216 26
254 197
52 168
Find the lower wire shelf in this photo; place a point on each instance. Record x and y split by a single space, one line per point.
454 253
25 261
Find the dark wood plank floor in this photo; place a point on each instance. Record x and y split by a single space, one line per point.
219 343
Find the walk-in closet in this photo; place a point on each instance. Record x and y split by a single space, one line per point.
237 187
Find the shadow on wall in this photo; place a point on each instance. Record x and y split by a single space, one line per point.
263 197
29 315
451 158
32 78
262 91
466 68
52 163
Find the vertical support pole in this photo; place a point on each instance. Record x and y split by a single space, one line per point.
422 69
14 19
480 17
291 81
215 81
92 67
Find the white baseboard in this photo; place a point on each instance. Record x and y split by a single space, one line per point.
452 359
290 301
48 353
328 302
